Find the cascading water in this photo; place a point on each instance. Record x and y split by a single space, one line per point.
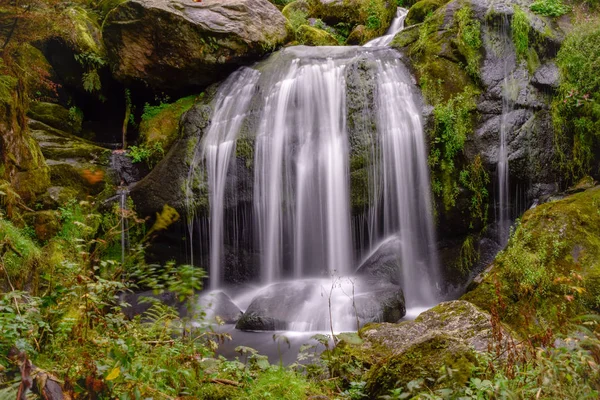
215 153
295 110
122 193
406 191
301 173
397 26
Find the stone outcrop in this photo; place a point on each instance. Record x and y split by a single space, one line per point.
199 43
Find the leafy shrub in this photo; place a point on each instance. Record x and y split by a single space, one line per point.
576 106
148 154
549 8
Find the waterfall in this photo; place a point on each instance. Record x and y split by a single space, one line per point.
301 195
406 192
396 26
509 94
216 150
294 108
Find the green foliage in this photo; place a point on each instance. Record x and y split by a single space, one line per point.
469 39
576 106
468 256
19 255
374 13
75 116
520 32
92 62
549 8
452 124
150 154
475 178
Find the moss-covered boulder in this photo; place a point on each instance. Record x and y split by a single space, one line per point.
448 335
21 161
421 9
374 16
21 256
311 36
160 124
56 116
428 359
297 6
46 224
550 270
196 42
74 163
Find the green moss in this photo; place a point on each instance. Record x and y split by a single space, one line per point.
244 149
20 257
549 271
421 9
428 359
160 124
520 26
469 40
312 36
56 116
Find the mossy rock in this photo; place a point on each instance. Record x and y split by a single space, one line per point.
311 36
428 358
375 15
160 124
550 270
24 162
295 6
405 37
21 257
358 36
421 9
46 224
56 116
84 31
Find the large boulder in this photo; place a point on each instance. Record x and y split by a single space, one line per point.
448 335
152 41
549 271
74 163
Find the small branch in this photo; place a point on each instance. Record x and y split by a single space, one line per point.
225 382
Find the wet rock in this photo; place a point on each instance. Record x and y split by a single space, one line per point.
384 264
210 39
219 305
275 307
304 305
547 76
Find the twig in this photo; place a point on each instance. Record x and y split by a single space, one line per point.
225 382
